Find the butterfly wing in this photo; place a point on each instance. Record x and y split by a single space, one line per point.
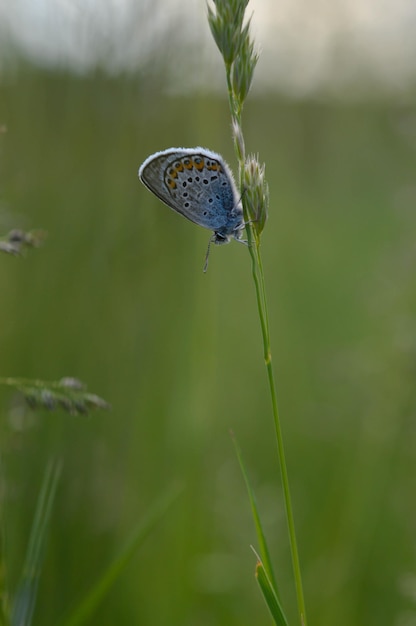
196 183
151 173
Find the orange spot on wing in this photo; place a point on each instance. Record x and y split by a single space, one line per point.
171 183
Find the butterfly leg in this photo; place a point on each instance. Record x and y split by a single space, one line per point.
211 239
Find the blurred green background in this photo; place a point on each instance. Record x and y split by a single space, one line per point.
117 298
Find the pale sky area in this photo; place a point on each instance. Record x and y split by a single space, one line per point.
307 46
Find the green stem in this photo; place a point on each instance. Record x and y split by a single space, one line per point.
259 282
258 276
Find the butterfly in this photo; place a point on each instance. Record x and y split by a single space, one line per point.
198 184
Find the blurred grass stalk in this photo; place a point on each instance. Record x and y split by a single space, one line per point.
25 599
237 49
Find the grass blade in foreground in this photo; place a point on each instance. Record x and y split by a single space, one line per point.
270 595
24 602
264 550
82 613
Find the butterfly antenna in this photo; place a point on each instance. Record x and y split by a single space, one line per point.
207 254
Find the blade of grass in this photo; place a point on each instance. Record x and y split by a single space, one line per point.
83 611
269 594
264 550
24 601
4 592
